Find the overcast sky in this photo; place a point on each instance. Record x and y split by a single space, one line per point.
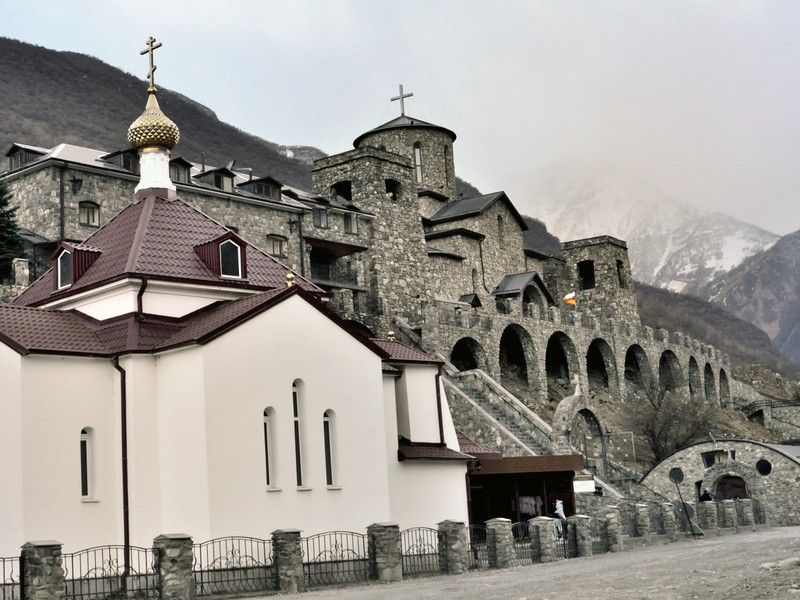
700 98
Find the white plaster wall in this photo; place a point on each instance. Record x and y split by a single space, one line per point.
11 521
425 493
61 396
418 385
253 367
182 441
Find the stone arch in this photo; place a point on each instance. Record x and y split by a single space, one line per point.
695 381
717 474
670 375
577 426
638 375
601 367
710 385
724 390
468 354
561 362
532 296
517 357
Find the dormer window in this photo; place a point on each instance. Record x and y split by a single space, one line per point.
266 187
223 182
89 214
178 173
64 269
230 259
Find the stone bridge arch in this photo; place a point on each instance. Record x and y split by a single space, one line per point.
670 374
577 426
638 373
710 385
601 368
561 364
468 354
695 382
724 390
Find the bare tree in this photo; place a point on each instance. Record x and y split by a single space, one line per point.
669 419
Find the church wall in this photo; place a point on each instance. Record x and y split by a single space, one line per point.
11 436
424 493
61 396
252 368
416 388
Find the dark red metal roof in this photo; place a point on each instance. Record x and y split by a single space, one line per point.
408 450
400 352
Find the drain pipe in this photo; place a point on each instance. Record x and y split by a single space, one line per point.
124 440
61 202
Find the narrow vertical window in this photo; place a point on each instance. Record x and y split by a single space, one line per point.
86 463
418 162
64 269
297 446
267 448
327 434
621 274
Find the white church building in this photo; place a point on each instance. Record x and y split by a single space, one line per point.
165 376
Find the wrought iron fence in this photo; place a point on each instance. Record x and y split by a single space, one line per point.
526 552
100 572
561 540
233 565
478 547
420 551
335 557
10 578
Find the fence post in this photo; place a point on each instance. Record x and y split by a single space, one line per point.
385 552
500 543
541 529
668 517
614 529
729 515
174 558
642 521
746 510
581 525
287 561
453 550
42 574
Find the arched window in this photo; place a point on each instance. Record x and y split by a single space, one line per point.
418 162
86 463
64 269
269 418
621 274
230 259
327 432
298 454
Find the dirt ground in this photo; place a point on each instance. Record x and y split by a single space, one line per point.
732 566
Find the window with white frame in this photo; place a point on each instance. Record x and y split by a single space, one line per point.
64 269
230 259
327 432
298 448
89 214
86 454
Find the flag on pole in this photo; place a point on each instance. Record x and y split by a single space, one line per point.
570 298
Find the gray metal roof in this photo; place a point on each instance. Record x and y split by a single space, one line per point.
403 122
515 284
472 207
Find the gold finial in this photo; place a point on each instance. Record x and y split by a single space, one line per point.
391 335
289 279
151 46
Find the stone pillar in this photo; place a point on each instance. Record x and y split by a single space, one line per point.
385 551
709 510
287 561
641 521
668 516
745 509
729 515
614 529
541 532
174 559
582 528
500 543
42 574
453 548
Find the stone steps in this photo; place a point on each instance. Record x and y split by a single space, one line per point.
506 417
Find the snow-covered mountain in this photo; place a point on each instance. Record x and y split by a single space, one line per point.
671 244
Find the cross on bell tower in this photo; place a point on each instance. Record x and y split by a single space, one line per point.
402 98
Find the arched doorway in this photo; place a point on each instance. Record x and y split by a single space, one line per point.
468 354
731 487
560 364
710 387
695 383
638 376
670 376
516 354
601 369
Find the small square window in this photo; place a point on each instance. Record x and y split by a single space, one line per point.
276 246
89 214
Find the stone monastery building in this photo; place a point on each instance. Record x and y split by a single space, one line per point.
382 247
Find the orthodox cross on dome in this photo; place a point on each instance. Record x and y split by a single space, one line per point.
402 98
151 46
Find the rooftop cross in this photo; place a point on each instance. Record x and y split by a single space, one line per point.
151 46
402 97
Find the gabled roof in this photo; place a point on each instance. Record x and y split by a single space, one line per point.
403 122
514 285
403 353
155 238
472 207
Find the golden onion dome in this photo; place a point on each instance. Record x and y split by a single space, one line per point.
153 128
